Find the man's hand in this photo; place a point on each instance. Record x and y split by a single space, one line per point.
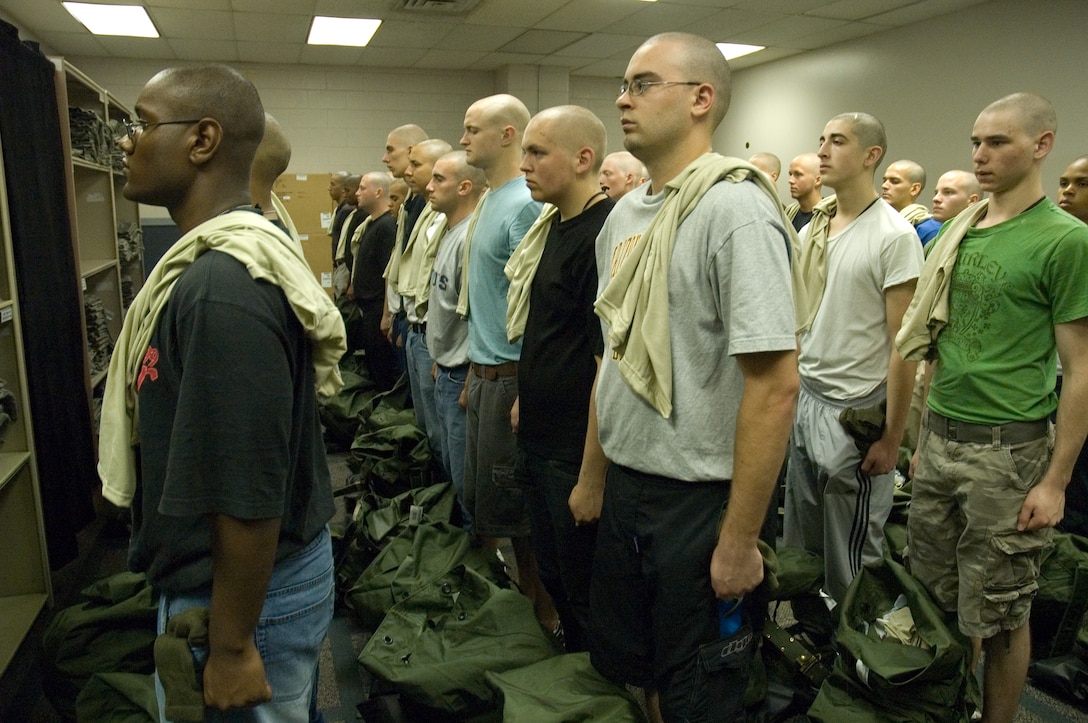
515 415
735 571
235 680
585 501
881 457
386 324
1043 507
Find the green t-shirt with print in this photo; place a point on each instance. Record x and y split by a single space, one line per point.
1011 284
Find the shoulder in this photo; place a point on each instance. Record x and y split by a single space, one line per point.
218 278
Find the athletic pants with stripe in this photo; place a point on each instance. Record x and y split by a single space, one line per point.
832 508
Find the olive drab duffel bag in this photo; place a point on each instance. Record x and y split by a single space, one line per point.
435 647
878 678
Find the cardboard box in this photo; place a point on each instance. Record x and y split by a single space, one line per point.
306 198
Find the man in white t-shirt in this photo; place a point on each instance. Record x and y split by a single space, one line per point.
866 259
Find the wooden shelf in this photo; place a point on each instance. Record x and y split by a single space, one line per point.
90 267
17 615
10 464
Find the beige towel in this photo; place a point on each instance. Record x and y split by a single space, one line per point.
286 220
927 314
636 301
521 269
812 264
405 275
393 267
430 242
356 239
268 254
344 240
792 209
462 298
915 213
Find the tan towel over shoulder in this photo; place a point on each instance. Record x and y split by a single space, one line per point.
267 254
812 263
915 213
636 301
927 314
521 270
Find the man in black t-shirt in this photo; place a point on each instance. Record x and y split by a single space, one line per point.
367 285
563 148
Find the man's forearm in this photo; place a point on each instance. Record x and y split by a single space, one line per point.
243 553
901 375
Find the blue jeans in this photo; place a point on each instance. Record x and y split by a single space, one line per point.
564 551
419 377
448 384
400 331
294 620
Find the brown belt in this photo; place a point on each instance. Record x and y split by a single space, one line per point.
1011 433
491 372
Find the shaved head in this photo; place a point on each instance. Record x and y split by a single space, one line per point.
503 110
408 135
1036 113
955 191
273 153
462 170
577 128
868 129
701 61
768 163
430 150
911 171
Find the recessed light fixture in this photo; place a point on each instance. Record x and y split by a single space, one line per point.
353 32
736 50
128 20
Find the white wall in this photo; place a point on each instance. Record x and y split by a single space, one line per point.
927 82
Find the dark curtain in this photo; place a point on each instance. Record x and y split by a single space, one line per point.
49 302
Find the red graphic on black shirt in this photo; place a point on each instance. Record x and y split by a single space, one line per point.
147 369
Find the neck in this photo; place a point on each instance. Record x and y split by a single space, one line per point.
198 207
505 170
854 196
1013 202
460 213
579 197
680 156
809 201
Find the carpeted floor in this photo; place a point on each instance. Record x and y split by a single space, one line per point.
342 684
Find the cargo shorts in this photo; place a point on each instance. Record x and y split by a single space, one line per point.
963 542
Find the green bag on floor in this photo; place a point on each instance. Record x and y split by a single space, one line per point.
112 631
560 689
435 647
377 520
118 698
1058 610
342 413
877 679
416 557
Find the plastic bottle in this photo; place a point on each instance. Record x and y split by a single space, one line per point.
730 616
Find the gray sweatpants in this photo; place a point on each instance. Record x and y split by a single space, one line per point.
832 508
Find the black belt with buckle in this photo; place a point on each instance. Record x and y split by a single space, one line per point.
420 328
1011 433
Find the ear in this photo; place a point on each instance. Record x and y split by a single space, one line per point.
205 140
873 154
584 160
1044 145
704 100
972 199
509 135
464 187
915 190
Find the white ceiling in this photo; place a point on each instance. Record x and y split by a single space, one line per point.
587 37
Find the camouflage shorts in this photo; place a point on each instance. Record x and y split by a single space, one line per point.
963 542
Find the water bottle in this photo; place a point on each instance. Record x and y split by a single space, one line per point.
730 616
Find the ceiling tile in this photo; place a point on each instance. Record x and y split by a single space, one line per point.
285 7
73 43
256 52
208 25
391 57
137 47
787 29
725 24
271 27
445 59
521 14
468 37
921 11
39 17
218 51
541 41
857 9
764 56
401 34
492 61
785 7
611 68
352 8
657 17
602 45
330 55
589 16
191 5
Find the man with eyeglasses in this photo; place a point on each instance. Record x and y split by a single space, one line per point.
215 373
695 392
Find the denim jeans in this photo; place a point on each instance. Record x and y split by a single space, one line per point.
448 384
419 377
294 620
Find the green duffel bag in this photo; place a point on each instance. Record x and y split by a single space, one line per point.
113 630
389 451
876 679
562 689
118 698
342 413
377 520
417 557
798 573
435 647
1058 610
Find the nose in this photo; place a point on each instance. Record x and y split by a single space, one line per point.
125 144
464 139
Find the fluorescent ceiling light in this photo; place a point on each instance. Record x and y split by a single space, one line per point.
129 20
735 50
355 32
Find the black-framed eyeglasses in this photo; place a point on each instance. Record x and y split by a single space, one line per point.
638 86
135 128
